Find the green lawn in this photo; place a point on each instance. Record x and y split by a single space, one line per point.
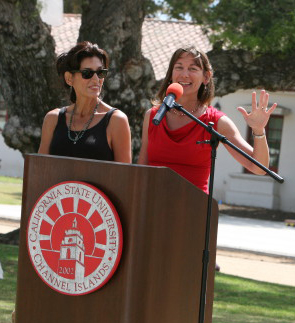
10 190
8 258
237 300
241 300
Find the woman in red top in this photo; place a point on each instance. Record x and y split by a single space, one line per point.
173 142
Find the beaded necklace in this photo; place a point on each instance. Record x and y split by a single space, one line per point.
179 113
79 134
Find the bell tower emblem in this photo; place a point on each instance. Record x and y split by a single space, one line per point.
72 252
74 238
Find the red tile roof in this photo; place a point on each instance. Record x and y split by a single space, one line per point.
160 39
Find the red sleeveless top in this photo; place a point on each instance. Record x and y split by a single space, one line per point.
177 149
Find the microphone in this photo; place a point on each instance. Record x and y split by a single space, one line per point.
173 93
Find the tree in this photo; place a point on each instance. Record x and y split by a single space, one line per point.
262 26
29 83
29 80
254 41
73 6
116 26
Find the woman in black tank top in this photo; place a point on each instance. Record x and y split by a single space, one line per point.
88 128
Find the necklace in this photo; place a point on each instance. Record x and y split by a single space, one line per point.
79 134
179 113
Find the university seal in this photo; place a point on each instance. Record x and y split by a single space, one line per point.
74 238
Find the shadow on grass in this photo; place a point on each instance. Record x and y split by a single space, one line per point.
254 301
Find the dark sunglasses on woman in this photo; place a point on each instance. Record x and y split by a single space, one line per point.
88 74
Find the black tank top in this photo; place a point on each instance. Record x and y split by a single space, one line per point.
92 145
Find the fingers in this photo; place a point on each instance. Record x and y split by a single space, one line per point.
254 103
263 103
265 100
272 108
243 111
261 99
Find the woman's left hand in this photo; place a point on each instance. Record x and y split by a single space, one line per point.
257 119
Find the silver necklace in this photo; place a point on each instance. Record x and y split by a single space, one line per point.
79 134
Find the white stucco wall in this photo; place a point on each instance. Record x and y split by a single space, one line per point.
287 157
283 194
12 162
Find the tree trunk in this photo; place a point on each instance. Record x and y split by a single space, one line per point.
28 80
115 25
29 83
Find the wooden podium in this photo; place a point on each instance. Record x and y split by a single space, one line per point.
158 279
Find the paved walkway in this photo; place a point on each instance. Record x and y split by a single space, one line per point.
260 236
250 248
10 212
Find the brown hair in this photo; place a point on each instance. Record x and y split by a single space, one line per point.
205 93
71 61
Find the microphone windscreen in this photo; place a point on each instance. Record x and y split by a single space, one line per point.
176 89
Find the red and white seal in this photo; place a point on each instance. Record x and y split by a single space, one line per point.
74 238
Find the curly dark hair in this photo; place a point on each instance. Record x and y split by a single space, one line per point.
70 61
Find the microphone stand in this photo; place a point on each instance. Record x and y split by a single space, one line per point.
216 137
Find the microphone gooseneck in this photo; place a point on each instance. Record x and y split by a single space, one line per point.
173 93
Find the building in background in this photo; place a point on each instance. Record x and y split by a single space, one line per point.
232 184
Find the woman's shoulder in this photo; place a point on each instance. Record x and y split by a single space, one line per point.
115 118
116 113
52 114
214 112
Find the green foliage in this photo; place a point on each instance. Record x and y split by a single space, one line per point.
151 7
73 6
179 8
257 25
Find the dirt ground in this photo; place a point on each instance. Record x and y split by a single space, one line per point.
278 270
256 212
8 226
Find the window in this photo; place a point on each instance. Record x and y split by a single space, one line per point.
2 119
273 132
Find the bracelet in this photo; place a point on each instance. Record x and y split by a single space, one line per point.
258 136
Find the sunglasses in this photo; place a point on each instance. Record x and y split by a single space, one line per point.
88 74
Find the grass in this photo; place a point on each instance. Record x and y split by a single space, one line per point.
8 257
237 300
242 300
10 190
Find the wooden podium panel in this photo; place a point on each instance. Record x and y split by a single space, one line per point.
159 276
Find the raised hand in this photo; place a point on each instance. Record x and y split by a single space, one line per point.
258 118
